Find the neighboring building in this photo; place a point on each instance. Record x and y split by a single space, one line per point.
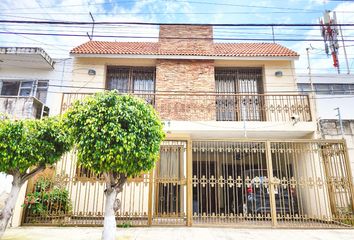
31 83
240 150
333 91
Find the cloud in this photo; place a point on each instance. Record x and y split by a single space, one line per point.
157 11
103 10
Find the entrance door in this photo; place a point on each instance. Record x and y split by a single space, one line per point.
170 184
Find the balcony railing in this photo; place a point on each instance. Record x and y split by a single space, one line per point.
198 106
18 107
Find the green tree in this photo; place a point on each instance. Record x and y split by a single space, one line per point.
118 136
26 147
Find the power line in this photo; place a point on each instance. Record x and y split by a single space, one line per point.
54 22
216 32
178 38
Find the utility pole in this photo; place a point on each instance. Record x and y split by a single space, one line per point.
340 121
309 68
344 50
313 92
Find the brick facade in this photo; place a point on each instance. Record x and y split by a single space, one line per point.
185 75
186 39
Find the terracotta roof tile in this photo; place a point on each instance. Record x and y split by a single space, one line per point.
220 49
253 50
96 47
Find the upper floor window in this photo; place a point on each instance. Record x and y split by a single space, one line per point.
327 88
238 80
131 79
27 88
238 98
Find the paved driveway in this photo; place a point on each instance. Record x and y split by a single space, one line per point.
176 233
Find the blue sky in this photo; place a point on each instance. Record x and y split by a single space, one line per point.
176 11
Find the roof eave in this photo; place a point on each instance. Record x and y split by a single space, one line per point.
198 57
26 51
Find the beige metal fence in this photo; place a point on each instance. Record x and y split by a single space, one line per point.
269 183
240 183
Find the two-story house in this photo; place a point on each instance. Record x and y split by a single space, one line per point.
241 146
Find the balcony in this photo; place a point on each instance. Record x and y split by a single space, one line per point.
18 107
202 106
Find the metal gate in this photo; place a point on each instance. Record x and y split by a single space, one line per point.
240 183
270 183
170 184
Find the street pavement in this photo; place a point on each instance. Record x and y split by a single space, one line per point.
176 233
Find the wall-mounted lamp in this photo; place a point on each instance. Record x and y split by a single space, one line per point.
91 72
168 126
278 74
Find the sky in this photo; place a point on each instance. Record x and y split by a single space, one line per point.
179 11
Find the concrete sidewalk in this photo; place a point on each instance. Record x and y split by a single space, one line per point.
175 233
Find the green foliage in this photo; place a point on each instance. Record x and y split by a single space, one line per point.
114 132
28 143
125 225
47 199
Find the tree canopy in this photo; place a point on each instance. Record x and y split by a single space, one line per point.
31 143
115 133
26 147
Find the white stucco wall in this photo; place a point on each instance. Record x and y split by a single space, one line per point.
327 103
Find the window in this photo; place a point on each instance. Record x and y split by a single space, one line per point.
42 90
304 87
322 88
131 79
137 80
10 88
327 88
27 88
247 82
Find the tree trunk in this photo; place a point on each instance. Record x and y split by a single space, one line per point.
10 202
110 224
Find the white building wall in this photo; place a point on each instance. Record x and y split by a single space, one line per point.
325 104
59 78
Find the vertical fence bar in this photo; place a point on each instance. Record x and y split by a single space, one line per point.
271 183
151 185
189 184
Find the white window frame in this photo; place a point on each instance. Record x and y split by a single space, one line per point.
34 87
